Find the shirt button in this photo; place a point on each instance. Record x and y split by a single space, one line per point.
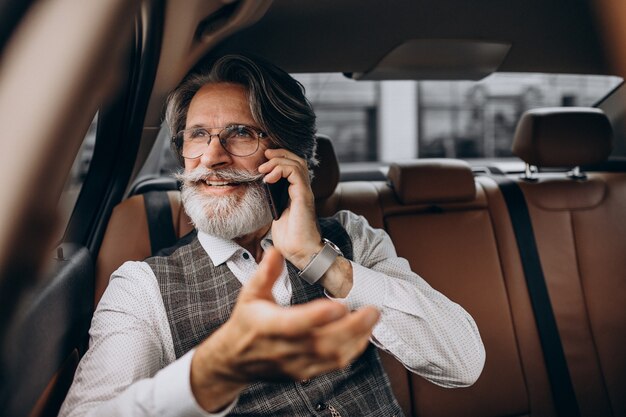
305 382
321 407
246 256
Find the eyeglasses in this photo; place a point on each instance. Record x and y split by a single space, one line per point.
237 140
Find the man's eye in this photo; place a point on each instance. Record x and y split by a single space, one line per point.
243 131
197 133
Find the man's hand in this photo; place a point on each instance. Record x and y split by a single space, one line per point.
265 342
295 234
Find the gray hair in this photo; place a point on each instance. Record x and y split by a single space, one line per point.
277 103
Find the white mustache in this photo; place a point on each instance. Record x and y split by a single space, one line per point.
227 174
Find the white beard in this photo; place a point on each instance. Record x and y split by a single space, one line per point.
230 216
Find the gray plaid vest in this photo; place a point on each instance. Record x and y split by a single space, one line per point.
199 298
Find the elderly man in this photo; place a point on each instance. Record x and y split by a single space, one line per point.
255 316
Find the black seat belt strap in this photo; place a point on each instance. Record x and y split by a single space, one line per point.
160 223
556 364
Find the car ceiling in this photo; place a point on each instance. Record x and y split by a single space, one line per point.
353 35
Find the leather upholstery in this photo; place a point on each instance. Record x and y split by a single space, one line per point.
432 181
580 230
360 197
559 193
531 355
563 137
127 237
326 173
454 247
582 248
600 238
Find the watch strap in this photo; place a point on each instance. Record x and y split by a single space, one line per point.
320 263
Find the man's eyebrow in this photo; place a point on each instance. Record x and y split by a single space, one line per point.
203 126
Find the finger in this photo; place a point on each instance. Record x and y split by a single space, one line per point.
261 283
314 369
361 321
354 326
272 164
341 342
304 319
284 154
295 176
276 172
305 367
279 159
312 365
286 367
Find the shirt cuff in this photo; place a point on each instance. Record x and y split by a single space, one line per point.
173 391
369 288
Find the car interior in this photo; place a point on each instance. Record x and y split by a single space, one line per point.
531 245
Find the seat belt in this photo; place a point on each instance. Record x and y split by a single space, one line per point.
160 223
560 382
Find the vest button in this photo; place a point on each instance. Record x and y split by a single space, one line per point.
305 382
321 407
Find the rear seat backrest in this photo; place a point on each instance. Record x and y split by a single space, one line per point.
580 229
439 220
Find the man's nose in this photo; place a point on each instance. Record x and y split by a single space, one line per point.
214 154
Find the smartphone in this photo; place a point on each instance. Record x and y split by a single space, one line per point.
277 196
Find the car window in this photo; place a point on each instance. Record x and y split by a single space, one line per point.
393 120
74 182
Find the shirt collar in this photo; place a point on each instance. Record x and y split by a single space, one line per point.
221 250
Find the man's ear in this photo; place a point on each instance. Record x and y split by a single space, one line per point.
176 148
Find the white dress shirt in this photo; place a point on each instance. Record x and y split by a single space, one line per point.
130 368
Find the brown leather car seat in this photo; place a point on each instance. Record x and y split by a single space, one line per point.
439 219
579 221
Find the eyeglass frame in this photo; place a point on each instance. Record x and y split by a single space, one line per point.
178 143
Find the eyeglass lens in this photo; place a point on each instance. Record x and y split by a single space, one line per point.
238 140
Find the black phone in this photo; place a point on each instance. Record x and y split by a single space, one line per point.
277 196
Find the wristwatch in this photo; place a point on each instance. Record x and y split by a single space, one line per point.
320 262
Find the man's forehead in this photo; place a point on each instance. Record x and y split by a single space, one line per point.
219 100
221 90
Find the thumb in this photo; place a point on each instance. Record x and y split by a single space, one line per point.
261 283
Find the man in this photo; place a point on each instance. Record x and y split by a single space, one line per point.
262 317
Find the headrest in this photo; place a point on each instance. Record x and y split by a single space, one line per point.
563 137
432 181
326 173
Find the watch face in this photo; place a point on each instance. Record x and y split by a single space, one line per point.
320 263
333 246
